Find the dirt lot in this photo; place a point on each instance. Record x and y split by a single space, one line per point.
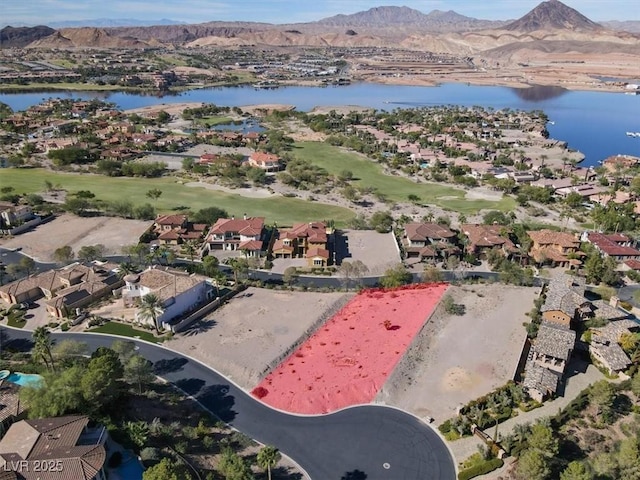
458 358
113 233
378 251
255 328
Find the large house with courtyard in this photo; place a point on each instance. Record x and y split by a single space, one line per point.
554 248
242 234
312 241
65 289
66 444
179 292
605 345
482 238
426 241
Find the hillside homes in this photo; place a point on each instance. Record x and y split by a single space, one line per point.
266 161
615 245
605 345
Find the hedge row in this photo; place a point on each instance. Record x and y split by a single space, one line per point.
481 469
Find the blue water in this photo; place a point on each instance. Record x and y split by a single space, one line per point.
591 122
24 379
130 469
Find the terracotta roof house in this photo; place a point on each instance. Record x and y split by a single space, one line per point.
303 238
72 449
553 247
426 240
265 161
605 347
548 359
615 245
615 162
230 233
65 289
176 229
486 237
11 408
179 292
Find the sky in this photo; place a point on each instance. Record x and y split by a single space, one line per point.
38 12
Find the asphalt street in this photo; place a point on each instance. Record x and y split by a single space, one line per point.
372 442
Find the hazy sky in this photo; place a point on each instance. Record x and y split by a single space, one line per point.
282 11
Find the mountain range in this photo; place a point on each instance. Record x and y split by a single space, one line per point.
549 27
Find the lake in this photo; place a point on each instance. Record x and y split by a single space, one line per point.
591 122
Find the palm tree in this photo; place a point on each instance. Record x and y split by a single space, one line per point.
126 268
190 249
42 346
150 309
268 457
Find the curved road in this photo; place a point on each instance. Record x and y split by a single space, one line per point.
382 443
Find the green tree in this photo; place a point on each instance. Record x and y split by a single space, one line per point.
138 432
124 348
233 467
138 370
69 350
396 276
602 396
381 222
27 264
63 254
268 457
42 344
151 308
635 384
257 176
100 384
209 215
239 267
352 271
495 216
289 276
576 471
57 395
164 470
629 458
532 465
154 193
89 253
542 440
210 265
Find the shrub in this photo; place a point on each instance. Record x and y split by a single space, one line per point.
148 454
65 326
481 469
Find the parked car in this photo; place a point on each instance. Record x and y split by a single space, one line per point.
80 318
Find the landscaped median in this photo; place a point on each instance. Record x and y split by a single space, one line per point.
349 358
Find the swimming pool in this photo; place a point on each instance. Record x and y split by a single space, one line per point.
24 379
130 469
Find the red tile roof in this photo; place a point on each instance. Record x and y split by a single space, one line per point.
551 237
487 236
171 219
427 231
608 245
264 158
633 264
318 252
250 226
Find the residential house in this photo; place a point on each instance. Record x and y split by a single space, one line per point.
548 359
482 238
586 190
617 163
176 229
551 247
565 302
65 289
237 234
11 407
179 292
66 443
615 245
605 345
305 240
428 240
13 215
265 161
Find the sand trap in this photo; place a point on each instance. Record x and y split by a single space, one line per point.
347 361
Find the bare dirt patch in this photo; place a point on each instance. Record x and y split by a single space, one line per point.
113 233
251 331
458 358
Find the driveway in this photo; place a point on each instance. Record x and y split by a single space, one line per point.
381 442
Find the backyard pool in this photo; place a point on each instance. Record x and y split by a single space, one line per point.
129 469
22 379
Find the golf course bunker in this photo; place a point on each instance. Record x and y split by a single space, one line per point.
348 359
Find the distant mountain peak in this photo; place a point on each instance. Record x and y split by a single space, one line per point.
553 15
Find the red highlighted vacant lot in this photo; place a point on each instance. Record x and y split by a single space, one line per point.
348 359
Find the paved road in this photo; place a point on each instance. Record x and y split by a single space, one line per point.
366 439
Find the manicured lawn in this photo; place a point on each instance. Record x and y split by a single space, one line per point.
175 196
16 319
369 173
126 331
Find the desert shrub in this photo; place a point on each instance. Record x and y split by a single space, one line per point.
150 454
451 307
65 326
